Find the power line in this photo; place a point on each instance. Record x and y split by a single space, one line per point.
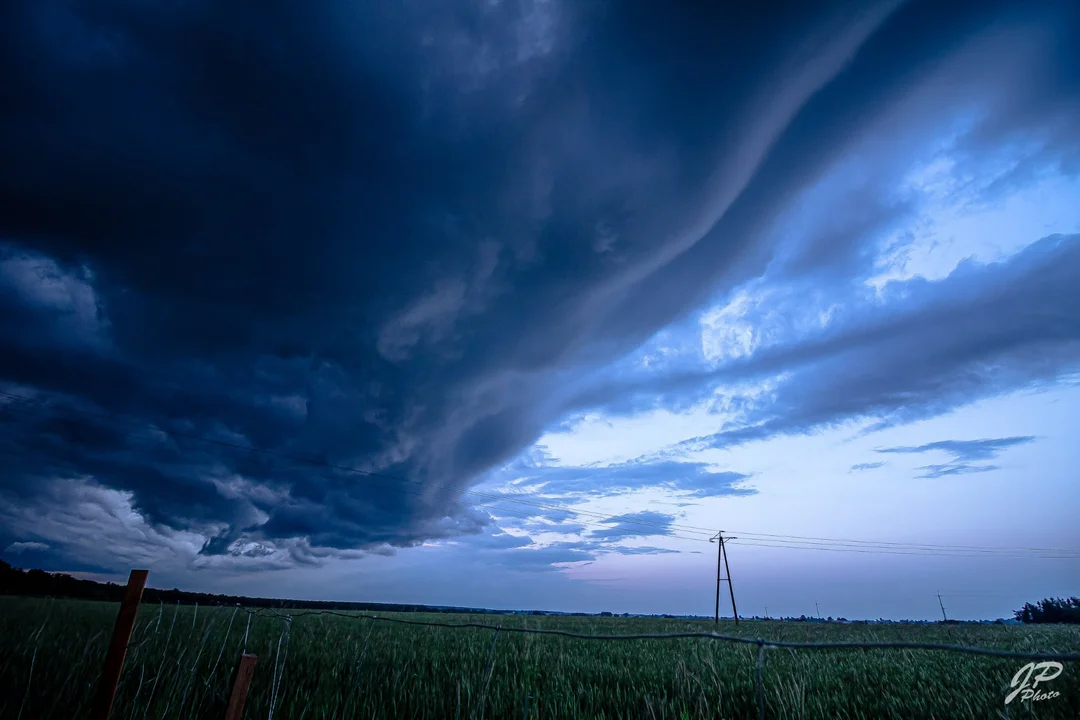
721 553
750 543
995 552
884 542
915 552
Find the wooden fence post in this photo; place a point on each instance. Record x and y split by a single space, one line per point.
244 671
114 660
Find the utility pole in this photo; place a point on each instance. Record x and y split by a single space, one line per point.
946 619
817 609
766 612
721 557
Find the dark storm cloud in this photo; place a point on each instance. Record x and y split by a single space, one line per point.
964 453
389 237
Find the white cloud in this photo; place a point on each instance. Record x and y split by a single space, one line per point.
956 223
67 293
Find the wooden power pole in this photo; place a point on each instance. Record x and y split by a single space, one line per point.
721 557
943 616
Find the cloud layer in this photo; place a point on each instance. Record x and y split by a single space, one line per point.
412 255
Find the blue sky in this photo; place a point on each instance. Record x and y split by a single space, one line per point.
516 304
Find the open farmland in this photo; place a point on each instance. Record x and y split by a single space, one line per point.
316 666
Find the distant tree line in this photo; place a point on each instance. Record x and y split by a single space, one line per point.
1051 610
38 583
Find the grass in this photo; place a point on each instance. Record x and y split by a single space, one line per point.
181 660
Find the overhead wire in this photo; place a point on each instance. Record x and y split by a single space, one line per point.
887 543
919 553
874 546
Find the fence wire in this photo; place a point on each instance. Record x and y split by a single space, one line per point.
761 643
768 644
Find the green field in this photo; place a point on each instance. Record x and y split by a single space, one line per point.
180 663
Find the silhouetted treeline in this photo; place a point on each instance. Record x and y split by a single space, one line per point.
1051 610
38 583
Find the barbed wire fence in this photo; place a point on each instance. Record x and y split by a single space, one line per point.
762 645
197 682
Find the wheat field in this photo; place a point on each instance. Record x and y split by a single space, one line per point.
181 659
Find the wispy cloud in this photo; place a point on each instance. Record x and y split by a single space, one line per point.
937 471
963 452
644 550
631 525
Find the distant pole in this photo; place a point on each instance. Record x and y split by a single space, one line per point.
731 588
721 557
943 616
817 609
114 659
719 552
766 612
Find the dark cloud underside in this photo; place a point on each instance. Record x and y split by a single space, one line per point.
396 237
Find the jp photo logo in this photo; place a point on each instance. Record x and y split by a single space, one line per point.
1025 682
